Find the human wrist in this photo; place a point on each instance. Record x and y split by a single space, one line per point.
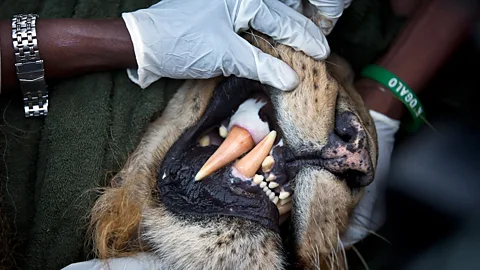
70 47
81 46
376 97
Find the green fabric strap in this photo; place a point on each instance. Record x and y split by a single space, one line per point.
400 90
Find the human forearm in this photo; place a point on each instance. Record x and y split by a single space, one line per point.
418 52
71 47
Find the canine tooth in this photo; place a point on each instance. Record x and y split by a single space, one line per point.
275 200
251 162
283 195
273 185
282 209
204 141
223 131
263 184
270 177
285 201
267 164
257 179
271 196
269 193
236 144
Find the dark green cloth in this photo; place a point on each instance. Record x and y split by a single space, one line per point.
50 166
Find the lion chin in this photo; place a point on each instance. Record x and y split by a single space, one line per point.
237 175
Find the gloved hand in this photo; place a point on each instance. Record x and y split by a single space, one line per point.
369 215
186 39
325 13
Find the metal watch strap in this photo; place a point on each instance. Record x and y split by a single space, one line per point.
29 65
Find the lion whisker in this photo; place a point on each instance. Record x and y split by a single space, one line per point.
372 232
342 249
360 257
278 52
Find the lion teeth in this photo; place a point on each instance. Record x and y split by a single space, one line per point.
223 131
285 201
236 144
257 179
273 185
275 200
267 164
270 177
283 195
204 141
251 162
271 195
263 184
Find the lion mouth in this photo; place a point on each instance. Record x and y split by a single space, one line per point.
232 162
249 142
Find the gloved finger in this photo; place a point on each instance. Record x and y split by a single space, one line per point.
329 8
326 13
295 4
256 65
369 214
288 27
347 4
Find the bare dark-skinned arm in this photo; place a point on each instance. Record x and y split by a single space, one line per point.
70 47
429 38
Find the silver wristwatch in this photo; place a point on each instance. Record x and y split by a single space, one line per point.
29 65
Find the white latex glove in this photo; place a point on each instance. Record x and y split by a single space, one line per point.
141 261
185 39
325 13
369 214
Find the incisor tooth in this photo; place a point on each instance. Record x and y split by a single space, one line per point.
267 164
251 162
283 195
236 144
266 189
271 196
275 200
204 141
273 185
257 179
269 193
223 131
263 184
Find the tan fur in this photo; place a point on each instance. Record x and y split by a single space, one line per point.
126 219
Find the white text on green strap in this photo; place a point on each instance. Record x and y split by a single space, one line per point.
406 95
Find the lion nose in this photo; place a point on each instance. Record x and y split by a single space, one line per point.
346 153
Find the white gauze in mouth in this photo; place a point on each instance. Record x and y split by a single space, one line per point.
247 117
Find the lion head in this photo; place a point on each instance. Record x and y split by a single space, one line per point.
318 148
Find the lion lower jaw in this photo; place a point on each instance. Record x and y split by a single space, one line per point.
225 244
